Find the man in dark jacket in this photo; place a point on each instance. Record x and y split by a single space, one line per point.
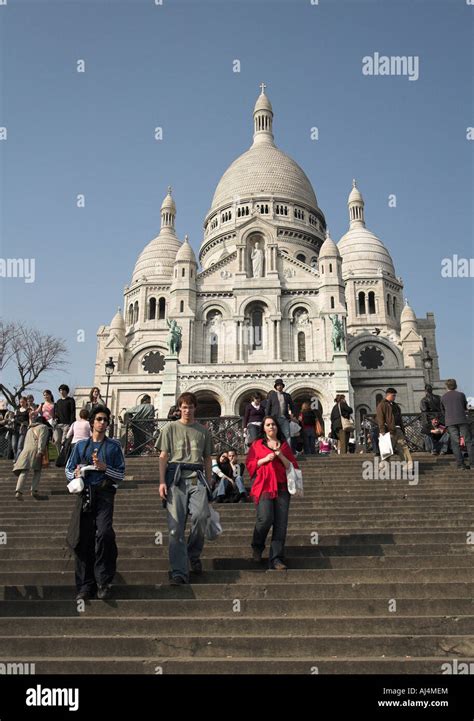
64 415
94 542
454 405
280 405
389 418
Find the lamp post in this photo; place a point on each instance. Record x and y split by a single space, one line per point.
109 369
428 365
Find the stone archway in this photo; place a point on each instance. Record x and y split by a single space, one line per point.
300 395
208 404
244 399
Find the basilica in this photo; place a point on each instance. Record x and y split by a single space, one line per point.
270 295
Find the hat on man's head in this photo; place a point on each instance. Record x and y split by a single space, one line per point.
278 382
390 390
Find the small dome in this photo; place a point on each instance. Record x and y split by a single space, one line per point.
355 195
186 252
117 322
329 249
168 202
407 314
263 103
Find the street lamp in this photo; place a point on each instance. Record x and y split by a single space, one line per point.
428 364
109 369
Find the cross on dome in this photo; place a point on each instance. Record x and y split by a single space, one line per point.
262 88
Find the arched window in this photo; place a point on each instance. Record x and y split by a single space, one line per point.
394 307
135 312
362 413
378 398
322 269
214 348
152 309
181 306
362 310
130 314
388 305
183 272
301 346
332 301
330 267
257 323
301 257
371 302
161 309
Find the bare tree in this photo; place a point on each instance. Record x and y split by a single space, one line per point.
32 352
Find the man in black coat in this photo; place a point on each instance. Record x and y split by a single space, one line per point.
280 405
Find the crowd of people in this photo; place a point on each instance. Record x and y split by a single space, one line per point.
192 476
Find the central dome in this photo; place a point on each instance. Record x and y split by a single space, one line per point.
264 170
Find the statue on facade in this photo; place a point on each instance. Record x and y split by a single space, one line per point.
174 337
257 261
338 337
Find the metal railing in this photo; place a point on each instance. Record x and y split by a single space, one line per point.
142 438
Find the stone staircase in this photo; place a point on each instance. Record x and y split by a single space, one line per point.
380 580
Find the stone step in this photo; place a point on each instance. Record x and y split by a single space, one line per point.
263 575
282 607
240 557
256 646
238 625
325 550
240 528
140 570
242 665
242 536
63 589
193 608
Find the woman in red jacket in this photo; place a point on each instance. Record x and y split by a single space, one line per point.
267 460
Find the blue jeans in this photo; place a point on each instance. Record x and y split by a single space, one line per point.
183 499
461 429
223 485
437 443
284 425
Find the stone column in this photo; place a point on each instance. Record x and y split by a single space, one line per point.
169 385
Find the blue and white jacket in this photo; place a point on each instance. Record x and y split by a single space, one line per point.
109 452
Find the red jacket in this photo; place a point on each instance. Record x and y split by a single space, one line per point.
269 476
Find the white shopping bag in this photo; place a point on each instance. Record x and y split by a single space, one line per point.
385 446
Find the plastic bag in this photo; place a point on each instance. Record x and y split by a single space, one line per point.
213 526
385 446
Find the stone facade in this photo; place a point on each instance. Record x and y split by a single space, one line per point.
262 301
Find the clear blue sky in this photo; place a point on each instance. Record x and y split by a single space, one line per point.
171 66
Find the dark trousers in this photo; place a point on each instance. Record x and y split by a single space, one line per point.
96 554
272 512
461 429
309 440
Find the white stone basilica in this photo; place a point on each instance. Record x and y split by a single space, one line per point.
262 301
